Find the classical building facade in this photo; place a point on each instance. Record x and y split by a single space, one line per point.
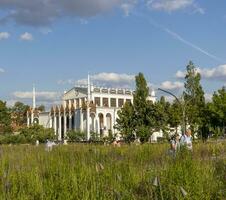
88 109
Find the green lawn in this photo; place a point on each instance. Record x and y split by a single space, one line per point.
106 172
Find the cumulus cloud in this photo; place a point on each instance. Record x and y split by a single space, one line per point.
26 36
216 73
4 35
168 85
2 70
44 12
105 79
40 95
170 5
128 6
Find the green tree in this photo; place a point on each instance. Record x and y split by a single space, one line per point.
142 108
19 113
175 115
42 108
5 119
194 98
37 132
126 122
217 111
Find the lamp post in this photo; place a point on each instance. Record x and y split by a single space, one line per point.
183 106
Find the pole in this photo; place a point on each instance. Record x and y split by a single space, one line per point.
183 107
88 109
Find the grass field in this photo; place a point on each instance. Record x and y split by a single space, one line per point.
106 172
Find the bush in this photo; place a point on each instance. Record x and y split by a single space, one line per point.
37 132
75 136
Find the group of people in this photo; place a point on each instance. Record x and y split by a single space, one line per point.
177 142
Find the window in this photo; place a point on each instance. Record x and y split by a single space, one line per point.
120 102
97 101
113 102
104 90
112 91
105 102
120 92
128 92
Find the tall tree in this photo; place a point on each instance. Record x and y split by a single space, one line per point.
5 119
217 110
142 108
19 113
126 122
175 115
41 108
194 97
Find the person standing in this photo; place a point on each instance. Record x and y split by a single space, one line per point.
186 140
175 144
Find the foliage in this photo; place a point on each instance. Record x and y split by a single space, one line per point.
126 121
5 119
175 115
194 98
98 172
76 136
217 109
142 108
41 108
19 113
37 132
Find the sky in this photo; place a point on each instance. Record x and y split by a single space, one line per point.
54 45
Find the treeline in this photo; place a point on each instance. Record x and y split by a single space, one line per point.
144 117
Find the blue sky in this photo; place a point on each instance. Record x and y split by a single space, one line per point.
54 45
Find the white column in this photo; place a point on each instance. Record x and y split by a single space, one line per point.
55 123
80 102
94 124
98 126
65 124
101 102
104 123
70 121
51 122
75 118
81 120
88 123
32 117
59 129
116 102
109 102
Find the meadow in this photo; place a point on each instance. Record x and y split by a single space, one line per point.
79 171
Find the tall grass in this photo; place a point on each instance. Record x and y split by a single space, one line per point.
99 172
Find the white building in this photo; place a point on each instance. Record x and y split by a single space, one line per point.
99 104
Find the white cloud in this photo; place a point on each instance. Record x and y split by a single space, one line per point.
169 5
42 13
4 35
2 70
168 85
26 36
128 6
216 73
208 97
105 79
83 21
45 31
64 82
180 74
40 95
